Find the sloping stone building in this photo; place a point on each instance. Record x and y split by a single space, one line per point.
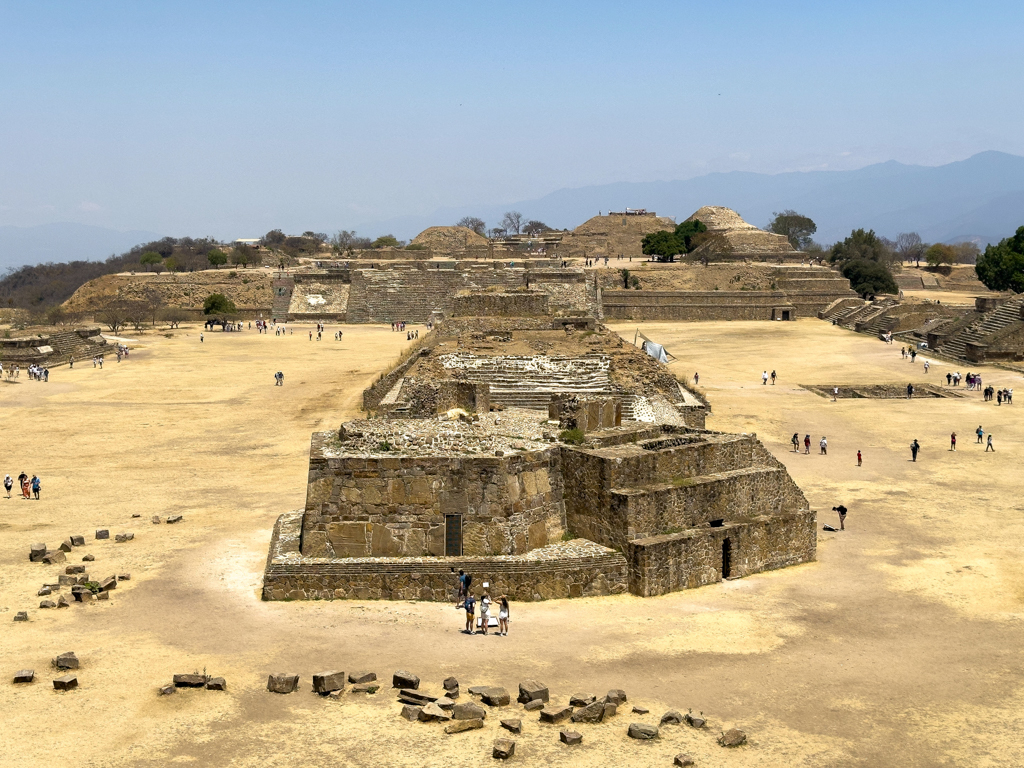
734 238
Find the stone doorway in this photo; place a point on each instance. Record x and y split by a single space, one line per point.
726 559
453 535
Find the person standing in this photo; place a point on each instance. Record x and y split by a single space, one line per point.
980 433
773 377
999 397
910 391
764 377
988 445
914 448
23 484
835 394
859 458
926 365
462 588
8 484
37 486
485 611
796 442
503 615
952 441
470 605
696 379
201 337
807 444
823 445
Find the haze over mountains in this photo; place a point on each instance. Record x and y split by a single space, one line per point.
980 199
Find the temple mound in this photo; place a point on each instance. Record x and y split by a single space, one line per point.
566 463
734 237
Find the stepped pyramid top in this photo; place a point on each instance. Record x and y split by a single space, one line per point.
719 218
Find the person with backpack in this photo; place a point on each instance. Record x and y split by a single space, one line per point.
914 448
8 484
470 605
796 442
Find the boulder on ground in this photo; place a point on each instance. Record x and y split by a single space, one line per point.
411 712
450 683
433 712
102 533
156 519
174 519
47 604
415 697
694 721
216 684
78 541
167 690
75 569
551 714
124 537
445 703
458 726
592 713
642 731
108 583
513 724
82 594
477 690
682 761
616 696
403 679
103 596
532 706
325 682
44 591
640 710
282 682
672 718
63 602
124 577
361 677
66 660
468 710
54 556
66 580
335 695
503 749
65 683
496 697
24 676
610 710
734 737
582 699
189 681
531 690
370 688
88 558
21 616
570 737
66 545
36 553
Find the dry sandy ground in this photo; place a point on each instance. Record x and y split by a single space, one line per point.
900 646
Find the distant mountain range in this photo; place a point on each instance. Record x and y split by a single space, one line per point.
64 241
979 199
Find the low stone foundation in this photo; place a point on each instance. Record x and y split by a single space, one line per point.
570 569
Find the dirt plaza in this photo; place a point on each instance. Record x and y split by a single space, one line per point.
899 646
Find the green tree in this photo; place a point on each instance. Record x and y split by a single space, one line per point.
861 245
869 278
940 254
386 241
797 228
241 255
217 257
1001 267
665 245
218 304
150 257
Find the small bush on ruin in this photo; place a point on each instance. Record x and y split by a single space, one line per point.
572 436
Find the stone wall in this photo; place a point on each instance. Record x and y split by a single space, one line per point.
373 394
54 348
568 569
470 396
586 414
396 506
691 305
519 304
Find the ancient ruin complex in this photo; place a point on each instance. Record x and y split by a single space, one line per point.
735 238
612 235
546 456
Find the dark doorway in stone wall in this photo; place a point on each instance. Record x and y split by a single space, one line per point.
726 559
453 535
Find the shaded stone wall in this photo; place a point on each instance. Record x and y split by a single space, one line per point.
585 413
523 304
570 569
662 564
373 394
467 395
396 506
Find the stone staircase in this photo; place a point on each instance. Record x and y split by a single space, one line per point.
283 288
63 345
875 316
811 290
1007 313
840 306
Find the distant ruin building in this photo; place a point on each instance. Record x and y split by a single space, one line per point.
730 237
612 235
459 466
451 242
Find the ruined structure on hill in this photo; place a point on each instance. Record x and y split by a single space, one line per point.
467 473
53 349
612 235
451 242
731 237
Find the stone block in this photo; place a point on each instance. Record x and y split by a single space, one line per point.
555 714
503 749
570 737
640 710
124 577
592 713
88 558
103 533
325 682
83 594
47 604
616 696
189 681
216 684
610 710
103 596
406 680
531 690
166 690
642 731
496 697
368 688
682 761
432 711
78 541
122 537
156 519
408 696
734 737
282 682
66 683
74 569
24 676
468 710
173 519
672 718
66 660
63 602
66 580
477 690
108 583
361 677
411 712
445 703
515 725
694 721
55 556
36 553
458 726
582 699
532 706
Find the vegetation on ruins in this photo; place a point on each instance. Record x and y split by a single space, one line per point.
216 257
150 258
387 241
665 245
347 241
796 228
534 227
218 304
512 222
909 246
472 222
1001 267
629 280
866 261
940 254
572 436
244 255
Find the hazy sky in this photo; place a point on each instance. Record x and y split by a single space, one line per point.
229 119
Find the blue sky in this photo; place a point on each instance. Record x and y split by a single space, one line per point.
229 119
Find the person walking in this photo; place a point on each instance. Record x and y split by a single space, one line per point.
485 611
999 397
807 444
842 516
914 448
470 605
37 486
949 378
503 615
926 365
462 589
696 378
910 391
952 441
835 394
823 445
859 458
796 442
8 484
773 377
201 338
980 433
988 445
23 484
764 377
279 379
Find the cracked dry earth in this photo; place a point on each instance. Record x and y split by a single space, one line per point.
900 646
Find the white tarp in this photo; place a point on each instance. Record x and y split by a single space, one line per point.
656 351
